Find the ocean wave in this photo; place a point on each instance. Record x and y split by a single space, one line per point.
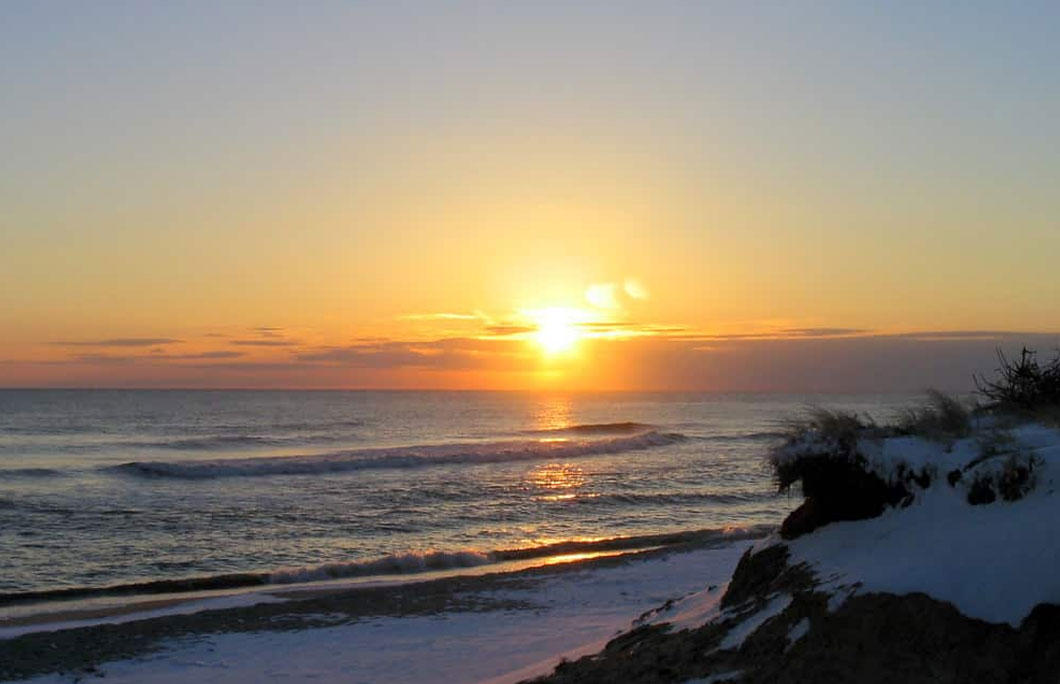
623 428
51 430
660 499
394 564
636 542
18 473
743 437
398 457
204 443
212 442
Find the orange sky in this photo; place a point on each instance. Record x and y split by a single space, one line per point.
716 198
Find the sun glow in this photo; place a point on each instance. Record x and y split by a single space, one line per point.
557 330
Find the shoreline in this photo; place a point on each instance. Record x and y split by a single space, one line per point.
82 603
82 649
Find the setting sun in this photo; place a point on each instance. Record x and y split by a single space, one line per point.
557 330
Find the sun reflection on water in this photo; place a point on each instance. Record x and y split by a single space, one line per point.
553 413
560 481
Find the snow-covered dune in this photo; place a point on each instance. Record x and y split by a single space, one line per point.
914 558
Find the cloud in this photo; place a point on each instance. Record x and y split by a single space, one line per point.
876 363
614 296
502 330
445 316
778 334
603 295
256 366
223 354
613 355
635 289
154 357
120 342
104 358
264 343
445 354
265 331
963 335
823 332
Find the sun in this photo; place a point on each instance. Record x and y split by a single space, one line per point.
557 330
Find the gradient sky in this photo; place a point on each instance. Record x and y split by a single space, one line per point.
720 196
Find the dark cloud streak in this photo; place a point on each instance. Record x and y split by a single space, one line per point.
120 342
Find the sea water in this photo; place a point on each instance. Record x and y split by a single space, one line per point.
122 488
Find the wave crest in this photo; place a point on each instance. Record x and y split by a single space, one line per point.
399 457
394 564
622 428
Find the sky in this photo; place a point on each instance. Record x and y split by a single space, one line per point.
714 196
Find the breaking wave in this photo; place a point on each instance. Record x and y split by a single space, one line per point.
623 428
663 499
394 564
398 457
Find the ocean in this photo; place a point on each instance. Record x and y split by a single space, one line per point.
126 491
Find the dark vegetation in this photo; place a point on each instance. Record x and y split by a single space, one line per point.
1025 385
822 451
940 418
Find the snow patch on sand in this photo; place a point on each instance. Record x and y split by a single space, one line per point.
576 613
738 634
798 631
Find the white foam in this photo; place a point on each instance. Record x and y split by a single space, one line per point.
393 564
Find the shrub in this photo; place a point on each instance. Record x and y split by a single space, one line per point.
940 417
1023 385
821 451
821 434
1011 479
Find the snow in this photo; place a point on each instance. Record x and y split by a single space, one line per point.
798 631
716 678
837 599
576 613
738 634
692 611
994 562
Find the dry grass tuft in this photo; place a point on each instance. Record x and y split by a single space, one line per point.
941 417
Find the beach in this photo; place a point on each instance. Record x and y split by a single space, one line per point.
231 528
490 628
